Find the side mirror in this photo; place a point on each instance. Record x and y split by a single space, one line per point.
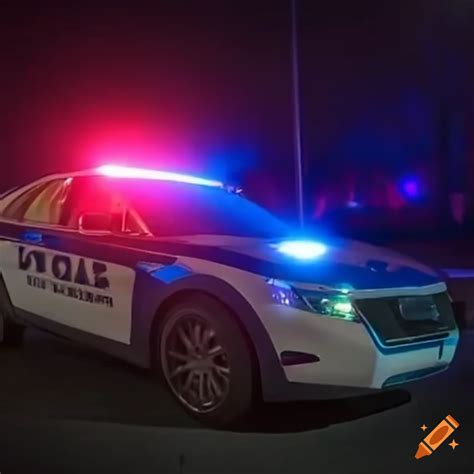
95 223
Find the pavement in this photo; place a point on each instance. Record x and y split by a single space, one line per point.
69 409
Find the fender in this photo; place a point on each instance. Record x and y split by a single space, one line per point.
148 290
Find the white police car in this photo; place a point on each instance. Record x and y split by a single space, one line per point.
179 273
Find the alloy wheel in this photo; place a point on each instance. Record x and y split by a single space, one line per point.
195 363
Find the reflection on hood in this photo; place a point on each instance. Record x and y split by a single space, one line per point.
346 262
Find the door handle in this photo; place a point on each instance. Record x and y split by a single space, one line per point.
32 237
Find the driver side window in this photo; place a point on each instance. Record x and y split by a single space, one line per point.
92 195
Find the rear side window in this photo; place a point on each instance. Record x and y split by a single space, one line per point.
39 204
17 208
47 204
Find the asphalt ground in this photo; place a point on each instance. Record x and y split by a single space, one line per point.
70 409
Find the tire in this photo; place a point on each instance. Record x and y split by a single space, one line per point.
11 334
209 370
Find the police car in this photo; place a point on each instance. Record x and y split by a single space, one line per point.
185 276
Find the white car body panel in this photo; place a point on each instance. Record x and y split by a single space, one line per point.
110 315
348 355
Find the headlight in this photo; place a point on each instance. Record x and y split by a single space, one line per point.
333 304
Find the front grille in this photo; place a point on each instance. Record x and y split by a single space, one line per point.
384 317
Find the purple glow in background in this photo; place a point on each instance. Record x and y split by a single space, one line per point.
411 187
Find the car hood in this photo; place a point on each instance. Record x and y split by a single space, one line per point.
346 262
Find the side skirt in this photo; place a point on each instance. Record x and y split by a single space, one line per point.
116 349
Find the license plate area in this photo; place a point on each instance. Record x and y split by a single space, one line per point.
418 308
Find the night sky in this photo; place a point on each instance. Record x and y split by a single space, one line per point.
205 86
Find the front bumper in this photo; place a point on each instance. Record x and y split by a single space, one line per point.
351 359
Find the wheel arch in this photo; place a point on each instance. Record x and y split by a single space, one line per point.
268 369
183 295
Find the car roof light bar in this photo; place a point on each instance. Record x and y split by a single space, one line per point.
117 171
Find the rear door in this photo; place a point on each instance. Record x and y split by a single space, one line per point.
22 243
53 271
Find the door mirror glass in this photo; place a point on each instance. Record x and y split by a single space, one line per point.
95 223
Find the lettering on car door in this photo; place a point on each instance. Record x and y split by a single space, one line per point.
80 292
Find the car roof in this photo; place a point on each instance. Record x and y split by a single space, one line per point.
127 172
115 171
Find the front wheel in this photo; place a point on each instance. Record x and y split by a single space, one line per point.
206 361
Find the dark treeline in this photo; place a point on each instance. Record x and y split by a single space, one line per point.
205 86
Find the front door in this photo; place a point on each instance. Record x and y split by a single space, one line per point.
53 271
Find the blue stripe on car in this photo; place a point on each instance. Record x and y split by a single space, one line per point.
321 272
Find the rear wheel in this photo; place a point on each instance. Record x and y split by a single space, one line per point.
11 334
206 361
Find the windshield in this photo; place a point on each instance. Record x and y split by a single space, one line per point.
184 209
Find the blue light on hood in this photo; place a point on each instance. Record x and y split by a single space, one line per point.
302 249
